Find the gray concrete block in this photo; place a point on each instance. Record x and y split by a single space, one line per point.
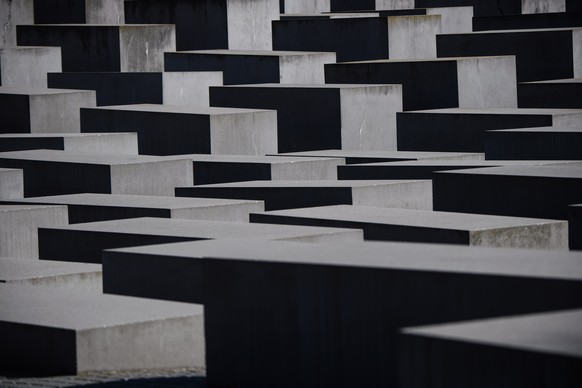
85 242
28 66
13 13
11 184
19 227
111 143
534 143
175 130
542 6
536 350
472 82
234 168
540 54
565 93
26 110
311 117
398 37
102 207
535 191
74 277
298 304
575 226
50 172
385 224
250 67
356 157
424 169
297 194
463 130
56 332
189 87
127 48
211 24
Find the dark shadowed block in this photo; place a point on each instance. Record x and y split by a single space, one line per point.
565 93
520 22
575 226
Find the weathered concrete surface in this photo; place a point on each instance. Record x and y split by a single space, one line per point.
410 225
175 130
69 333
27 110
249 67
102 207
535 191
189 88
51 172
356 157
19 227
474 82
74 277
536 350
104 12
565 93
114 143
311 117
463 130
13 13
85 242
11 184
278 195
27 67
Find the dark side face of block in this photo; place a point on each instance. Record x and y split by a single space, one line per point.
59 12
15 112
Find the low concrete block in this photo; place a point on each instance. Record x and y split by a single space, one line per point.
102 207
345 303
114 143
13 13
473 82
254 67
463 130
190 87
536 350
234 168
535 191
311 117
11 184
543 143
176 130
210 24
385 224
575 226
127 48
27 67
26 110
79 12
50 172
361 38
565 93
540 54
297 194
19 225
85 242
71 333
74 277
356 157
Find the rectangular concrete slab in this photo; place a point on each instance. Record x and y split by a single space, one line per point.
356 157
11 184
175 130
125 48
28 66
463 130
534 143
85 242
534 191
13 13
51 172
297 304
19 227
528 21
565 93
88 207
536 350
297 194
311 117
75 277
386 224
253 67
70 333
28 110
110 143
